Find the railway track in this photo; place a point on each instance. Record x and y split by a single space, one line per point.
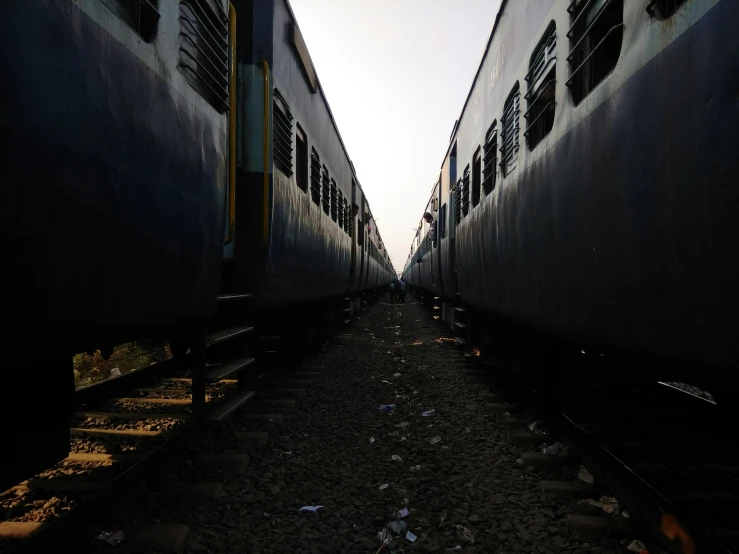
125 428
663 452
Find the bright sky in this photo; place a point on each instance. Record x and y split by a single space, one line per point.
396 74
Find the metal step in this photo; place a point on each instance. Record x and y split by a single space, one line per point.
234 297
229 406
460 324
460 340
223 335
225 370
460 310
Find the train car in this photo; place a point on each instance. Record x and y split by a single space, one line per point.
587 190
160 155
303 233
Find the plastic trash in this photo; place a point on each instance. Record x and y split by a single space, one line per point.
115 372
464 534
416 468
435 440
607 503
111 537
403 513
386 381
520 461
428 412
310 508
637 546
383 486
398 526
396 458
410 537
396 374
385 536
372 440
584 475
386 408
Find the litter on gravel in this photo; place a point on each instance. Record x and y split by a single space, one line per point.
310 508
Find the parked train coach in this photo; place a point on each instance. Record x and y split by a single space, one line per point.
157 154
588 192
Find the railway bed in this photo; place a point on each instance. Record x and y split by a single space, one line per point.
125 428
452 469
661 449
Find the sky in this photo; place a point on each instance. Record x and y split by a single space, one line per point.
396 74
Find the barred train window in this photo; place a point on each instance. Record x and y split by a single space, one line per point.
348 219
466 191
596 35
665 7
282 133
339 208
141 15
442 217
334 213
315 177
301 159
510 126
490 159
326 193
476 177
204 49
541 80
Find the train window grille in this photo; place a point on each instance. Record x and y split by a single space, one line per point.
466 191
510 127
595 35
348 219
457 191
301 159
340 208
282 134
476 177
141 15
204 49
315 177
541 80
334 199
326 193
490 159
665 8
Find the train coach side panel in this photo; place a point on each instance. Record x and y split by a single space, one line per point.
624 232
114 172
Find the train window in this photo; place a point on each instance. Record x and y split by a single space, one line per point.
334 198
360 232
457 192
541 80
315 177
141 15
301 159
476 177
204 48
466 191
596 35
510 127
442 218
340 209
282 134
665 7
348 219
326 191
490 159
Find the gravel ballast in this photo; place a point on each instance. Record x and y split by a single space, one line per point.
461 482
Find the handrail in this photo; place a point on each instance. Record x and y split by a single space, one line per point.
265 204
232 127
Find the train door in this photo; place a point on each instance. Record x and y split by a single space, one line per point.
353 261
437 247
